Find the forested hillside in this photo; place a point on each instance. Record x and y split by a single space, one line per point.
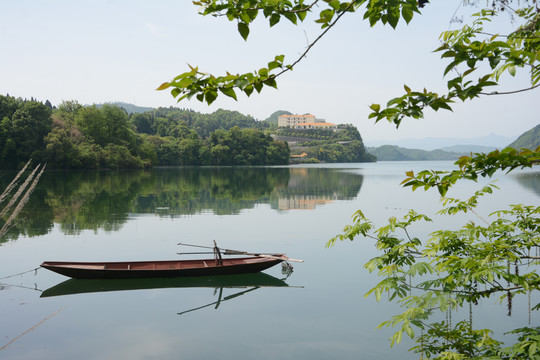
74 136
396 153
273 119
324 145
528 140
165 121
130 108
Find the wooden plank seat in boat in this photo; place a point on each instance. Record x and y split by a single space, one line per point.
85 266
250 261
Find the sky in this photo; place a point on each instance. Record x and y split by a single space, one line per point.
97 51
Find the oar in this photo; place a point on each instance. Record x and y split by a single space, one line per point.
237 252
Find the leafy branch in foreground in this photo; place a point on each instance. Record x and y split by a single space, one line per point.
456 268
472 167
467 49
207 87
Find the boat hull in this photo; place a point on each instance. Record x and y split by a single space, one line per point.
161 269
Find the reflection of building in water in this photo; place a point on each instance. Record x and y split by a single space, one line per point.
303 202
308 187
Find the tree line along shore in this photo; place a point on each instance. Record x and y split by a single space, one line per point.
73 136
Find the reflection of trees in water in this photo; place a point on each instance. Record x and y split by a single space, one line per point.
221 190
92 200
530 181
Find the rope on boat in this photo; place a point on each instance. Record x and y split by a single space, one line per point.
22 273
286 268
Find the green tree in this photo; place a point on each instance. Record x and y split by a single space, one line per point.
91 122
143 123
458 264
117 127
67 111
60 151
8 106
29 125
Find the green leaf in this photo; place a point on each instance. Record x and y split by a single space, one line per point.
393 18
248 90
409 331
271 82
407 14
375 107
241 83
532 350
243 29
210 96
183 83
273 65
274 19
229 92
335 4
245 17
252 14
175 92
291 17
163 86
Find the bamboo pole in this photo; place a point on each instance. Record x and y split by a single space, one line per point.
238 252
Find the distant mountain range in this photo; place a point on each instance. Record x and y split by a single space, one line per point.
130 108
484 143
396 153
528 140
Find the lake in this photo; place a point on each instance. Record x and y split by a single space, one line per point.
316 312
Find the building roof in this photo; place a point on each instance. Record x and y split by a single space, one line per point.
297 115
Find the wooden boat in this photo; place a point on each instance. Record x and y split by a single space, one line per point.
164 269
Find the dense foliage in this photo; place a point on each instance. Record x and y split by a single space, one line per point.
352 151
169 121
452 268
23 127
495 255
528 140
344 133
325 145
90 137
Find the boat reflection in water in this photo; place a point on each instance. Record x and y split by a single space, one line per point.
82 286
246 282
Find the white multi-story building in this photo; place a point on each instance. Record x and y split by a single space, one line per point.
292 120
307 121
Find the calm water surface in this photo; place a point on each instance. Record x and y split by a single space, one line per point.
317 312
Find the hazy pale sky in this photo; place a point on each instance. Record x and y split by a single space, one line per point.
98 51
